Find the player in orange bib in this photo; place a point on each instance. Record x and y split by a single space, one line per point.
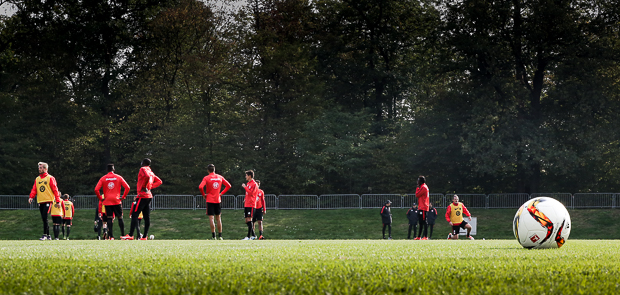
46 191
56 212
211 190
454 216
251 193
67 212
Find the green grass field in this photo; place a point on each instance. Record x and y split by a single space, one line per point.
307 267
306 224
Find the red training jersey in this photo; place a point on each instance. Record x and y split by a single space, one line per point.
251 193
53 185
213 184
422 194
260 200
147 180
111 184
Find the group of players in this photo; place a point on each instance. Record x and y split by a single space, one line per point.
425 214
110 207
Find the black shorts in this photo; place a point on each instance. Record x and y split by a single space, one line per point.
214 209
115 210
57 219
457 228
248 211
422 216
67 222
258 215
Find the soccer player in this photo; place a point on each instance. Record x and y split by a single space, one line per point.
56 212
101 220
67 212
412 215
251 193
454 216
147 180
111 184
431 216
46 191
421 193
386 218
211 190
259 210
131 211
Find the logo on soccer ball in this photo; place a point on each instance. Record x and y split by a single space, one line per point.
534 238
216 185
110 185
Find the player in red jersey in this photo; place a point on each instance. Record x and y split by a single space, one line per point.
421 193
131 210
46 191
111 184
251 193
147 180
259 210
211 190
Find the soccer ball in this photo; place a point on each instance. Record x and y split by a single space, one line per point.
542 223
151 237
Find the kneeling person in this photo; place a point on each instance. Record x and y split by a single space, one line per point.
454 216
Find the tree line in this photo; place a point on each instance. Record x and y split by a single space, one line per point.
324 96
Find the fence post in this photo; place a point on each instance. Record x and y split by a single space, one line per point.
486 201
361 201
318 202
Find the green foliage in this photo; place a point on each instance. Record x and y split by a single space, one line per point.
329 96
266 267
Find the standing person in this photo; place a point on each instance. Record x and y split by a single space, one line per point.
412 215
56 213
386 218
251 193
111 184
431 216
211 190
67 212
259 210
454 216
421 193
45 189
101 221
147 180
131 211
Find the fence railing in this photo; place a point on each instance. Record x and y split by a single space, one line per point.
340 201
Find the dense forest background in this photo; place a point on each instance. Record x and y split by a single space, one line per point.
324 96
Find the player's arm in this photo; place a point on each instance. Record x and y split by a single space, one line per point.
72 209
54 187
33 192
156 181
63 209
448 215
262 198
125 185
466 212
201 187
226 186
98 189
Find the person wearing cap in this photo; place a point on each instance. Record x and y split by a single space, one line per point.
386 218
431 216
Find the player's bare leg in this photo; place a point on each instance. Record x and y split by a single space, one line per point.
219 226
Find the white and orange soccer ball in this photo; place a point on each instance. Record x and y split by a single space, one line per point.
542 223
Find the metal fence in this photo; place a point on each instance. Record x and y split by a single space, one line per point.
340 201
